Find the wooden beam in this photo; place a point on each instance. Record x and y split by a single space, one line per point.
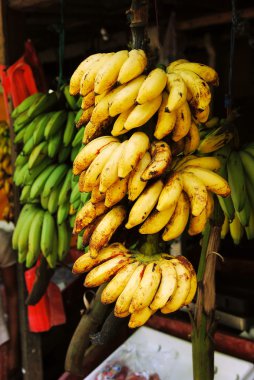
213 19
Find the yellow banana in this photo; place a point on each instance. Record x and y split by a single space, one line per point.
81 182
88 78
92 176
183 122
197 223
161 159
209 204
135 184
78 73
85 157
156 221
142 113
98 97
133 66
177 147
166 120
103 272
147 288
225 227
107 75
177 92
207 73
88 231
116 192
87 214
85 117
179 161
201 116
124 300
167 286
91 131
199 89
105 229
144 204
96 195
213 181
170 193
192 139
100 113
177 300
118 126
193 279
88 100
126 96
213 142
134 150
109 173
196 191
236 230
140 317
179 219
153 86
210 163
115 287
173 65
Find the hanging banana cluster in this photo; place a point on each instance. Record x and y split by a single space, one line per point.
45 132
238 208
141 285
6 169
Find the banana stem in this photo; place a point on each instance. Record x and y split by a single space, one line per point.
204 322
151 245
138 17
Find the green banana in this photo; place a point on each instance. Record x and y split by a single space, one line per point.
71 100
30 128
78 116
247 161
28 147
78 138
44 202
26 210
250 228
75 194
37 155
54 144
40 181
63 212
225 203
77 204
244 214
65 189
33 173
23 106
64 236
24 233
19 174
236 180
38 135
55 123
236 230
80 245
19 136
64 154
79 102
53 200
22 120
25 194
75 151
72 220
45 103
34 239
70 129
52 258
84 197
47 234
21 159
55 178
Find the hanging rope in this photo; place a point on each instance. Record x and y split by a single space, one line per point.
61 44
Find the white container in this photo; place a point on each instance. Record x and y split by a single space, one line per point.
176 364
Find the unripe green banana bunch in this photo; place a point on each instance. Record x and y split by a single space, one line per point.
139 284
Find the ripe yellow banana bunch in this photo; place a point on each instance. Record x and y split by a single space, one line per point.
139 285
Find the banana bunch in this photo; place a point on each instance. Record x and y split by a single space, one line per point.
118 96
139 285
37 232
238 208
6 169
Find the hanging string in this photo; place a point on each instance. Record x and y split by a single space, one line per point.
61 44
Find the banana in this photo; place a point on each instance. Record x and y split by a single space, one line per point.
65 188
115 287
153 86
87 215
236 180
177 92
250 228
63 212
135 184
88 101
23 216
52 258
142 113
173 65
44 202
166 120
210 163
92 176
53 197
209 204
133 66
213 181
179 219
26 104
88 231
193 279
170 193
118 126
21 159
40 181
236 230
54 144
109 173
107 75
197 223
74 193
140 317
247 162
69 130
88 79
177 147
25 194
196 191
85 117
201 116
124 300
116 192
103 272
19 136
106 228
161 159
156 221
199 89
55 123
76 142
28 147
207 73
71 100
19 175
224 228
81 182
125 97
30 128
22 236
55 178
177 300
32 174
91 131
167 285
34 238
133 151
147 287
192 139
183 122
85 262
214 141
144 204
37 154
245 213
213 122
89 152
47 234
43 104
